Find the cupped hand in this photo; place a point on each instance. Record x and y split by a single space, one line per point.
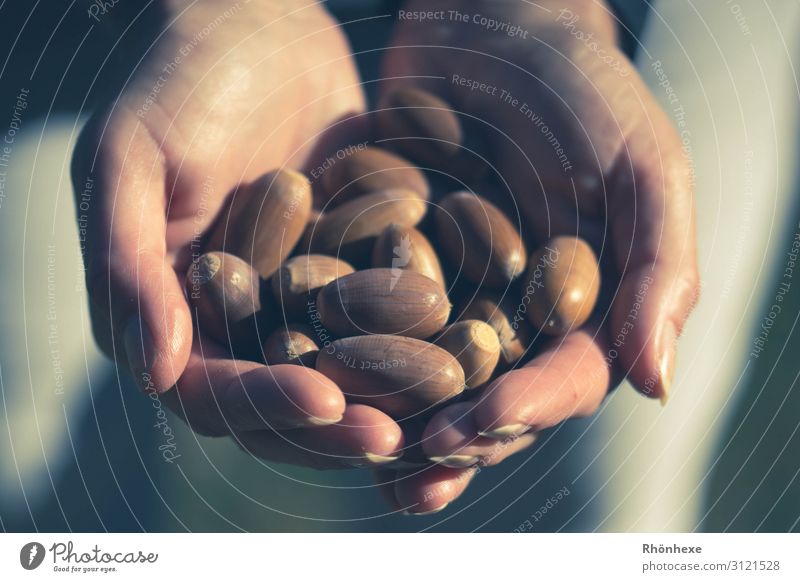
225 93
584 149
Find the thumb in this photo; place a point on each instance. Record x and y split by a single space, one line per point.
139 311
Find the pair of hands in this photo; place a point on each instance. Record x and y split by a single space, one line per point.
258 90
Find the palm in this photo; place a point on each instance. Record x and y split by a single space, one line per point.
207 108
580 142
251 97
583 149
561 122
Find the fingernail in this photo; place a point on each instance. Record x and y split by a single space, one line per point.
666 365
317 421
429 512
456 461
139 348
371 460
505 431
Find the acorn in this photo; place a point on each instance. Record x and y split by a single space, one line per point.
511 327
349 231
399 375
265 220
224 291
300 278
294 343
561 286
404 247
420 125
372 170
476 347
480 240
381 301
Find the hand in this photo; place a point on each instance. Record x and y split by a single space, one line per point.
226 93
585 150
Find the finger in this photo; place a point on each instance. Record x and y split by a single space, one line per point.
655 250
451 439
133 287
217 395
431 489
569 379
365 437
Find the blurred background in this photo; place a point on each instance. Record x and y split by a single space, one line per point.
78 447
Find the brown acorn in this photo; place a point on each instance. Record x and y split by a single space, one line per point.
371 170
404 247
475 345
561 286
511 327
399 375
380 301
300 278
265 219
291 344
349 231
420 125
224 291
480 240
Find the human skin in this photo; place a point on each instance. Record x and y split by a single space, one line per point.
628 191
251 95
256 93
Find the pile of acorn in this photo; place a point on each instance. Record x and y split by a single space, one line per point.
360 287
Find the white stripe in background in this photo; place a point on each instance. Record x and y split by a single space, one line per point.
730 66
47 345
